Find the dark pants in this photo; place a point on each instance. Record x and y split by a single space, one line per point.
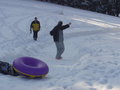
35 35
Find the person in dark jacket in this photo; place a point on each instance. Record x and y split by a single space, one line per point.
35 26
7 69
58 38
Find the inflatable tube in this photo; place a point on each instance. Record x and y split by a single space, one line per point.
30 67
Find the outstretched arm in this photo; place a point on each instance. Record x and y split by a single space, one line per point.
65 26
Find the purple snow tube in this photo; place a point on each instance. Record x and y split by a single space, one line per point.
30 67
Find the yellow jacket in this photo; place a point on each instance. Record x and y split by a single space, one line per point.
35 25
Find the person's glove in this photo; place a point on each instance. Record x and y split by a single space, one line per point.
69 23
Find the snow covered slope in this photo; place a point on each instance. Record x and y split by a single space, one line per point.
91 60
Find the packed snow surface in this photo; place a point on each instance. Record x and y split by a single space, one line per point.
91 60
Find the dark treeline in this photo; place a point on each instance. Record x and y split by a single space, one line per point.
110 7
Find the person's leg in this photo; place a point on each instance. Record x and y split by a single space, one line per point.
60 49
35 35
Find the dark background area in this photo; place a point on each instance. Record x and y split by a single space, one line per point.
109 7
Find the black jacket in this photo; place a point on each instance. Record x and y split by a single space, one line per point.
56 31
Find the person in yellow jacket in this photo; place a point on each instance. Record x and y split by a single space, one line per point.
35 27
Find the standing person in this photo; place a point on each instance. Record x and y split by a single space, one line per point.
35 26
58 38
